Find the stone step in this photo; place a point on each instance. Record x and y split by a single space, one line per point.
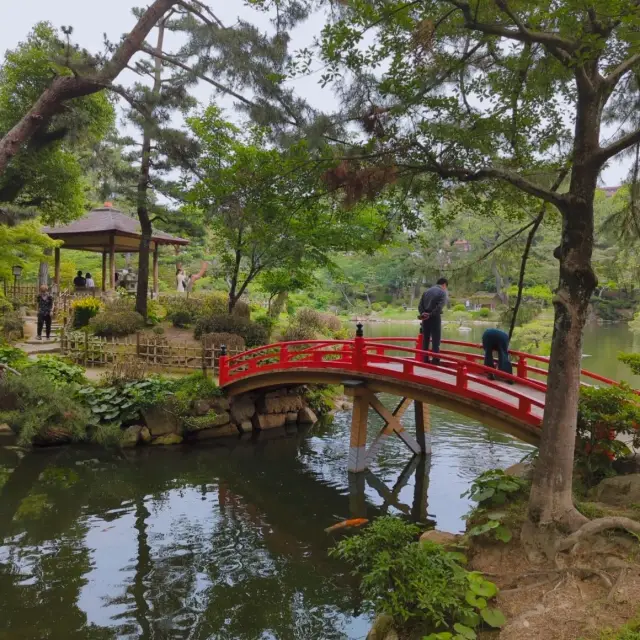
44 349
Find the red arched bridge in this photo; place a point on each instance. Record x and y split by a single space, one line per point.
366 366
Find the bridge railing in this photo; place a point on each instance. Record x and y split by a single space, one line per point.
525 363
457 373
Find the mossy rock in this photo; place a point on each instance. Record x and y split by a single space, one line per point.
167 439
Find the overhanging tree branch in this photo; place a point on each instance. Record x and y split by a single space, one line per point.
64 88
615 74
618 146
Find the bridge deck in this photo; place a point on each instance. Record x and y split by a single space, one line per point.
449 376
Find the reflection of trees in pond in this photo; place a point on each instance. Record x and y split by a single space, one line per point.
258 562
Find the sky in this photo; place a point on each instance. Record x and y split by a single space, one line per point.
91 19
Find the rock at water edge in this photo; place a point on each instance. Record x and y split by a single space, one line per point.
243 408
270 421
145 435
219 404
215 420
169 438
245 426
382 626
201 407
160 422
307 416
439 537
130 436
276 402
216 432
291 417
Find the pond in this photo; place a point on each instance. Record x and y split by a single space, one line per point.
227 540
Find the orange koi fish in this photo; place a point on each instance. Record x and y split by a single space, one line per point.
354 522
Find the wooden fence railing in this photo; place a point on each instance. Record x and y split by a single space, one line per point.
154 351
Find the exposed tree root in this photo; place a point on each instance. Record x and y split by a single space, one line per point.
597 526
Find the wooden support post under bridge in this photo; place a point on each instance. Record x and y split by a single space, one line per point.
359 457
423 426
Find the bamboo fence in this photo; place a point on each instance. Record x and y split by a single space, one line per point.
154 351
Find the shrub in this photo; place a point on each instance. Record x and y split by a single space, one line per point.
242 310
376 306
230 340
321 398
116 323
296 331
459 307
484 312
253 333
603 413
267 322
214 304
13 357
6 306
42 408
84 309
58 370
13 325
123 402
155 312
181 319
417 583
182 310
159 331
632 360
492 490
193 387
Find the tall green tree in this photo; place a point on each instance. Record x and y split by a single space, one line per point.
488 100
265 208
46 176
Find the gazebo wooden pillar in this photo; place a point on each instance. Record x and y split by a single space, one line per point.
104 271
155 271
56 271
112 263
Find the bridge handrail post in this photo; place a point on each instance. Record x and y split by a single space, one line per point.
522 366
461 376
284 353
359 351
223 365
419 343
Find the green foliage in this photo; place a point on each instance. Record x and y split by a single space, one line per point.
33 506
155 312
41 405
321 398
182 311
604 414
111 323
188 389
59 370
13 357
459 307
84 309
484 312
267 322
108 435
632 360
12 325
254 334
48 172
310 324
123 403
492 490
418 584
630 631
534 337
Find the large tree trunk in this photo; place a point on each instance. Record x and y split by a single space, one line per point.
142 291
43 271
277 306
64 88
551 500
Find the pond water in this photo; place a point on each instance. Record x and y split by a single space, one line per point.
227 540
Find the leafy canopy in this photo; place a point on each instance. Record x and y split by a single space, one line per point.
47 174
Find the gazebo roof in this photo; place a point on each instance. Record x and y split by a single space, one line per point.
98 229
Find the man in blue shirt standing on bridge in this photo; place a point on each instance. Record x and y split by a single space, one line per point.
430 308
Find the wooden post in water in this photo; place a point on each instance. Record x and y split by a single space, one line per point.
423 426
358 440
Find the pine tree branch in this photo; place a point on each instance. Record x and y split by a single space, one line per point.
615 74
561 47
618 146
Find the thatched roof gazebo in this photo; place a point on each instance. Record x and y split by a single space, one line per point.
108 231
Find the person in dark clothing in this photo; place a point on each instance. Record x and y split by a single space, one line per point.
430 309
45 311
496 340
79 281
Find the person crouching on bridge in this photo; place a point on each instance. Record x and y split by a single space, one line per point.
496 340
430 309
